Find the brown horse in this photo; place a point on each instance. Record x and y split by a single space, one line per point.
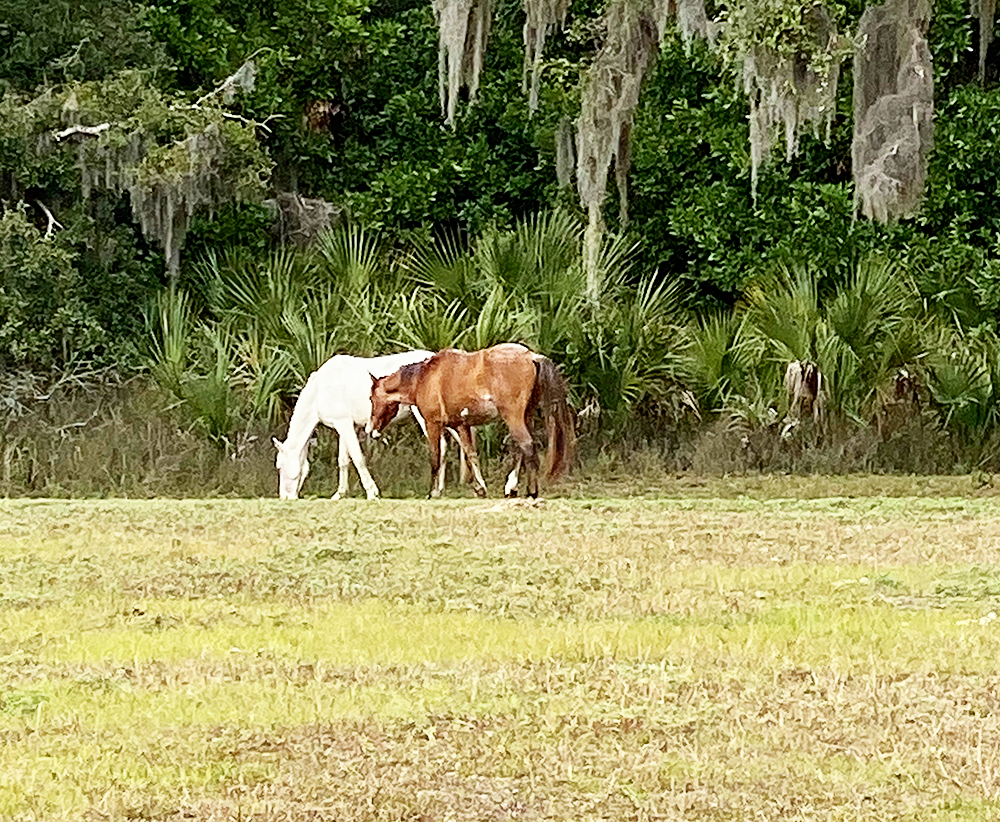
459 389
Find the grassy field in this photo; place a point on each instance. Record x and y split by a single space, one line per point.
775 648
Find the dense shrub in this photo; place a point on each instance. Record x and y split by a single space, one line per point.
44 319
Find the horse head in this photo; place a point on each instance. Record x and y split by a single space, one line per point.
292 469
387 396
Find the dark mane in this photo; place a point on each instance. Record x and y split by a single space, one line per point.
408 374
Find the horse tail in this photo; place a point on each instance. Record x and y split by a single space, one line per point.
551 393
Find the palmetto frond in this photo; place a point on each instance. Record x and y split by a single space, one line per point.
719 359
858 332
426 321
444 265
169 324
964 382
350 257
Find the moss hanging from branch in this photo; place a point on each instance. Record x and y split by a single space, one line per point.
610 95
788 58
171 158
692 20
984 11
541 16
893 109
565 151
463 30
172 182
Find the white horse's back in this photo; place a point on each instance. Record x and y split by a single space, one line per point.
340 389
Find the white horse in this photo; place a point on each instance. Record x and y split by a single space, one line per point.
337 394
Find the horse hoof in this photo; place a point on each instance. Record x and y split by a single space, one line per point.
512 494
480 492
336 496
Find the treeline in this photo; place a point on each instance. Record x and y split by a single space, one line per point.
173 175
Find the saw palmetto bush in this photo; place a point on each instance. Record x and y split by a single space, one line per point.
720 360
262 324
963 371
524 284
239 348
209 394
858 330
425 320
528 285
192 363
629 349
287 312
169 323
873 330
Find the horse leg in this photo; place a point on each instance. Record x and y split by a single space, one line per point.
469 448
434 432
464 469
348 433
526 455
343 465
510 489
440 477
463 460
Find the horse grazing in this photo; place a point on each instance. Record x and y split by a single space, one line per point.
336 394
459 389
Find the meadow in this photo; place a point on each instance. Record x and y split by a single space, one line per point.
725 649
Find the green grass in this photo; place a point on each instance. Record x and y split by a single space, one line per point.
737 651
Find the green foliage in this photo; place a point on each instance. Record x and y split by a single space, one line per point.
963 194
425 321
636 350
858 331
43 318
208 395
169 324
965 382
780 26
720 360
193 363
64 40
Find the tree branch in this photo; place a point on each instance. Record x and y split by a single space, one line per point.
53 222
92 131
242 77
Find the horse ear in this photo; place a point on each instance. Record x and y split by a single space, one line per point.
277 443
374 380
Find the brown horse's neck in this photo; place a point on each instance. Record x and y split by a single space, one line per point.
409 379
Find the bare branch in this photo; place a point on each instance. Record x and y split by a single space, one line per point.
92 131
53 222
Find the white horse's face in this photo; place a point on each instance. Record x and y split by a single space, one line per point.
292 470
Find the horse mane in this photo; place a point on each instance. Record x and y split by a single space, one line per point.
305 416
410 374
